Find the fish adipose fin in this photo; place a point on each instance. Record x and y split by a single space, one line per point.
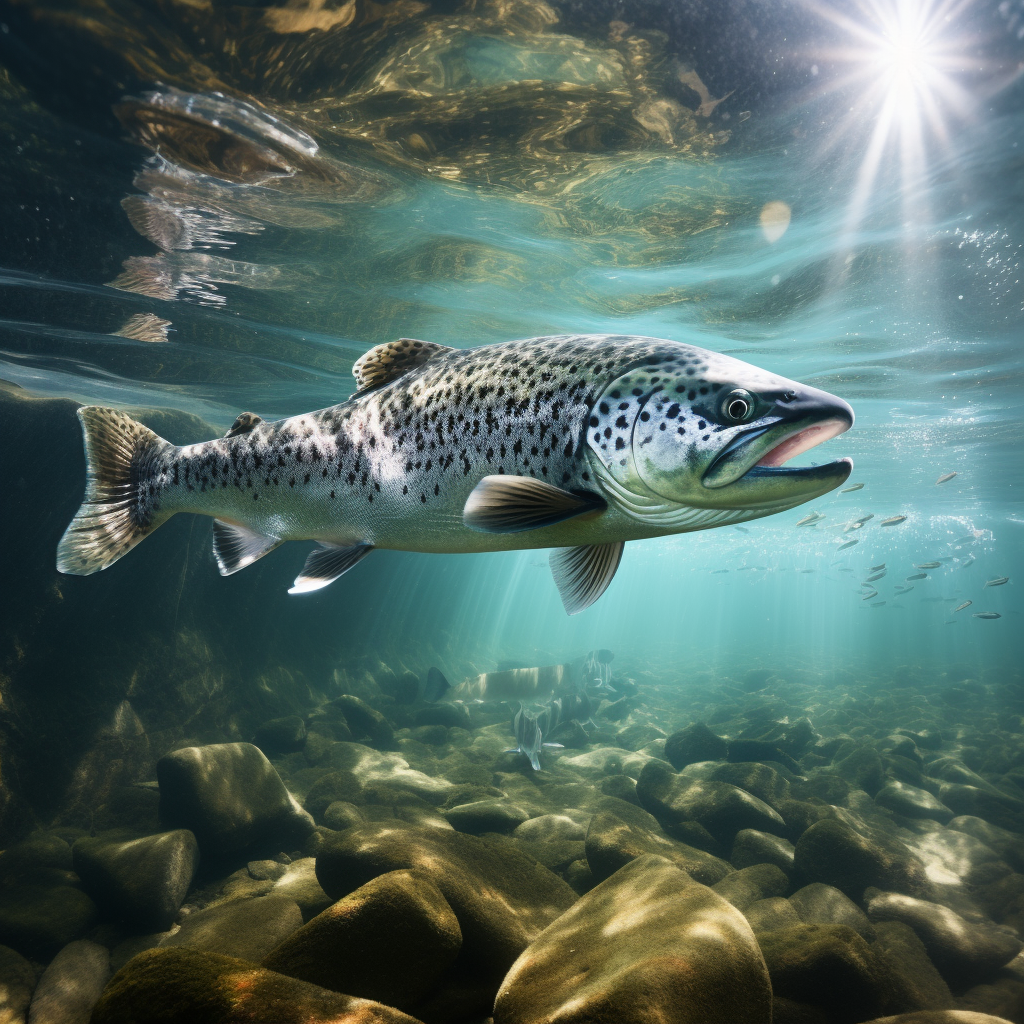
387 362
514 504
582 574
114 516
243 424
326 564
235 547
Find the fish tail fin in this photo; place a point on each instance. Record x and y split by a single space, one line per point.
118 511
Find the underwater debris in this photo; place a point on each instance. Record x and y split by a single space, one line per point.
144 327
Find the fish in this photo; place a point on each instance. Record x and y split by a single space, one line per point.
969 560
742 529
868 597
806 570
877 568
810 519
848 544
903 590
529 737
436 685
950 622
960 607
998 581
852 487
537 681
928 565
945 477
717 572
893 521
986 615
573 442
877 604
918 576
875 576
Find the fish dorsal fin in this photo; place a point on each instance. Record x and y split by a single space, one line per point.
325 564
582 574
513 504
387 362
244 422
235 547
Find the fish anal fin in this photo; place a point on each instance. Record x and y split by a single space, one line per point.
582 574
244 422
387 362
514 504
236 546
325 564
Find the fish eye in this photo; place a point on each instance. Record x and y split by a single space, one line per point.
737 405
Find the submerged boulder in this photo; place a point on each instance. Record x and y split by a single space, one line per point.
140 880
71 984
645 946
17 982
693 744
168 986
391 940
501 896
248 929
230 796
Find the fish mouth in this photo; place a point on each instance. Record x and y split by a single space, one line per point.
751 469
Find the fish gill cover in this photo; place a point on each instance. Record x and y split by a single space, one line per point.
245 244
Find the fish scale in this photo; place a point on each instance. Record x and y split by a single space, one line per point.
576 442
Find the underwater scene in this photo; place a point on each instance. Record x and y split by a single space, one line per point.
575 454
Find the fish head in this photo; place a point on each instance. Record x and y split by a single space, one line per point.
706 431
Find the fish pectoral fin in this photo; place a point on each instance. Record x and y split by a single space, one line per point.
514 504
235 546
582 574
387 362
244 422
325 564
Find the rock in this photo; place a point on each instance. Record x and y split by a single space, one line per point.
990 804
398 920
694 834
231 797
830 966
940 1017
486 816
281 735
603 762
38 920
502 898
916 981
451 716
621 786
1009 845
612 843
693 744
433 735
964 953
365 721
340 815
912 802
760 750
818 903
169 986
633 737
758 882
721 808
299 883
863 768
25 860
771 914
142 881
645 946
758 779
551 828
833 852
334 787
71 985
248 929
373 769
266 870
17 982
753 847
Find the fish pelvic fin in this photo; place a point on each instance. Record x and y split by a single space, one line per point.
582 574
235 547
117 511
325 564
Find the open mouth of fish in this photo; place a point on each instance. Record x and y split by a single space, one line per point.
752 467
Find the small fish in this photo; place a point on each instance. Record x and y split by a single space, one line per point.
918 576
811 517
529 738
844 568
904 590
987 615
878 604
928 565
875 576
945 476
893 521
434 453
962 606
877 568
950 622
848 544
868 597
716 572
806 570
998 581
968 538
852 487
742 529
969 560
865 519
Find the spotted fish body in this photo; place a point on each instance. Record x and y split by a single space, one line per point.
576 442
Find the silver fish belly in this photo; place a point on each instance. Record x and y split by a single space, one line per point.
574 442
